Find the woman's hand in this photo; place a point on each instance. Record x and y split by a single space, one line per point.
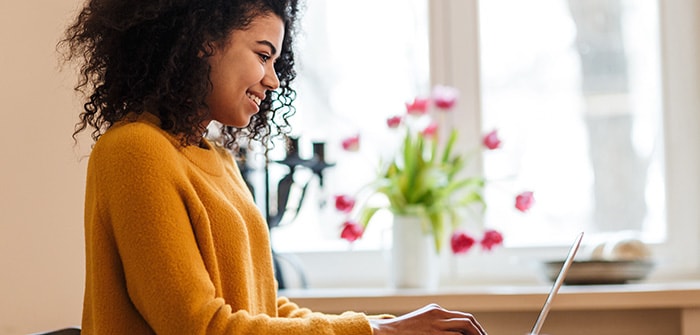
431 319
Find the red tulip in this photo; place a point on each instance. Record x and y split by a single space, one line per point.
352 143
419 106
491 239
524 201
344 203
351 231
430 131
461 242
394 122
445 97
491 140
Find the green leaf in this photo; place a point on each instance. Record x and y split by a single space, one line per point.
473 182
433 152
366 214
448 147
438 229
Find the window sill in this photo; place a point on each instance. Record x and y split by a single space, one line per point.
644 308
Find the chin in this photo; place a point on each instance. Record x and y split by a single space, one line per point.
236 123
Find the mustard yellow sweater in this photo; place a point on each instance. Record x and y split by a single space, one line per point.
175 244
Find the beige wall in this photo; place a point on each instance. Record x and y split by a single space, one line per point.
41 177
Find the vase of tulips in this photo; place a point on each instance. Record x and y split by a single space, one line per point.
427 193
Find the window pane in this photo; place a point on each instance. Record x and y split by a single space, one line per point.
573 88
351 78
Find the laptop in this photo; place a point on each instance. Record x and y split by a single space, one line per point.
555 287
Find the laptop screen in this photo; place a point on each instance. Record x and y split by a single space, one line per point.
555 287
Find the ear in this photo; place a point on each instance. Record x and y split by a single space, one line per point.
213 45
208 49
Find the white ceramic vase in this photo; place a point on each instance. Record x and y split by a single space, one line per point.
414 261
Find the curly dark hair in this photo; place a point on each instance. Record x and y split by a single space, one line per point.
151 55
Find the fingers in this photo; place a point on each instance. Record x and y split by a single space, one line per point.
463 326
464 323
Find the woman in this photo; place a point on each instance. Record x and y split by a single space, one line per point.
174 241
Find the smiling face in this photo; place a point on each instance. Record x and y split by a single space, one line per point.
242 71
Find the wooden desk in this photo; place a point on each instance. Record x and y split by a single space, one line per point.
631 309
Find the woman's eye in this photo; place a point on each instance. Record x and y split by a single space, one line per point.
263 57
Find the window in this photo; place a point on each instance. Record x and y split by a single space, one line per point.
579 108
525 69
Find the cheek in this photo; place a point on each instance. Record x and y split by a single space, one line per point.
225 87
237 80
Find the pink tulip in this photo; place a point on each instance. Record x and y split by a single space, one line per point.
419 106
352 143
351 231
445 97
461 242
344 203
430 131
524 201
491 239
491 140
394 122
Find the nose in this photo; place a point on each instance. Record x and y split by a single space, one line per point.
270 80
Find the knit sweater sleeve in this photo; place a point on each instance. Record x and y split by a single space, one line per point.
135 203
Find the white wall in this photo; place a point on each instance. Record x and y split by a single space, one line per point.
41 177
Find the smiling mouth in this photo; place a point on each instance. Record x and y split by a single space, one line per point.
255 99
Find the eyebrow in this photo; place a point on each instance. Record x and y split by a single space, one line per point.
269 44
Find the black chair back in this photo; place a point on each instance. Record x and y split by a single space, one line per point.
64 331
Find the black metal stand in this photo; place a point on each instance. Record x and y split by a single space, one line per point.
316 164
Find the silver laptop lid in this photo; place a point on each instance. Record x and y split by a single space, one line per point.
557 284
